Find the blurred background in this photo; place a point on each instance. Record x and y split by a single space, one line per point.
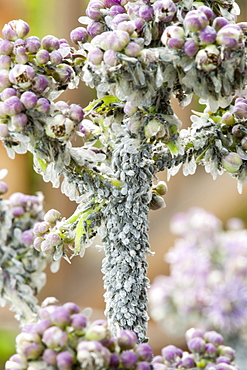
81 282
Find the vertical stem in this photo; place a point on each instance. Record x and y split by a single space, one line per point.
126 241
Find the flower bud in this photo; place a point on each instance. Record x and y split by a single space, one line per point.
226 351
132 49
116 9
50 43
196 345
55 337
188 362
127 339
143 366
144 352
93 9
40 83
19 121
171 352
212 336
155 129
208 59
95 56
16 29
22 75
79 34
6 47
42 56
78 322
146 12
4 79
52 216
173 37
157 202
231 162
195 20
65 360
33 44
129 109
5 62
164 10
207 35
60 316
29 99
191 48
50 356
95 28
29 345
228 119
72 307
27 237
12 106
126 26
97 332
76 113
43 105
219 22
110 58
239 130
160 188
128 359
116 40
3 186
110 3
4 131
7 93
230 36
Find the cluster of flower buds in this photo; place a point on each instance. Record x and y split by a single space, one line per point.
126 39
33 73
63 339
207 264
21 276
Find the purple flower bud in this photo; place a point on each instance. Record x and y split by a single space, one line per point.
144 352
116 40
79 34
110 58
6 47
95 28
239 130
119 18
143 366
47 248
127 339
219 22
170 353
43 105
60 316
244 143
33 44
230 36
50 43
226 351
223 359
29 345
16 362
42 325
159 366
96 332
4 79
49 356
53 239
72 307
27 237
4 131
128 359
76 113
173 37
55 337
62 106
42 56
206 10
146 12
22 75
127 26
95 56
195 20
110 3
40 83
78 322
208 59
132 49
63 74
5 62
18 211
240 109
188 362
19 121
12 106
3 186
21 58
212 336
41 228
210 348
196 345
114 361
164 10
224 367
116 9
207 35
16 29
29 99
88 351
65 360
228 118
93 9
52 216
7 93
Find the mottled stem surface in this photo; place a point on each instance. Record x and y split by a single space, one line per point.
126 240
